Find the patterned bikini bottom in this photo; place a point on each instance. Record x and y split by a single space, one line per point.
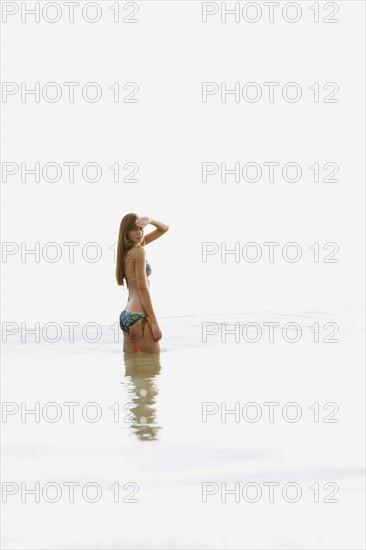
127 318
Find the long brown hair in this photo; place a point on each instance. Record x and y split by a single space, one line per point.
127 224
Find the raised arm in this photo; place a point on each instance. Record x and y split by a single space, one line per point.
161 228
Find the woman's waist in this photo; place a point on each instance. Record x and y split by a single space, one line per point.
134 312
134 305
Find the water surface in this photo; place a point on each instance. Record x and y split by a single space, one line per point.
151 440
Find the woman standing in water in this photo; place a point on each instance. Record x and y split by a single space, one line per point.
133 266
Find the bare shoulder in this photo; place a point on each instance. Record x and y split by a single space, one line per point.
136 253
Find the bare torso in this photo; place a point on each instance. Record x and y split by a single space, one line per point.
134 301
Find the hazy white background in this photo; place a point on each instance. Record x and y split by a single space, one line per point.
169 133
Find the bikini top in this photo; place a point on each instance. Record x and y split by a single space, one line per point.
148 270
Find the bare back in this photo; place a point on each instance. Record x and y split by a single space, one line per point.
134 301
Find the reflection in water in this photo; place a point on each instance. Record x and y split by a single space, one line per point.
141 369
